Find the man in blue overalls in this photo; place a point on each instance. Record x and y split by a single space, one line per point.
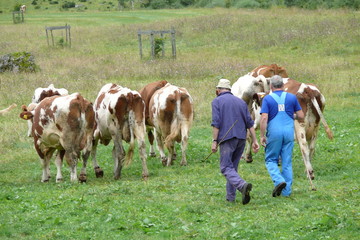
277 120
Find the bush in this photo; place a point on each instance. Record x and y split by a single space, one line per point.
158 4
17 7
247 4
67 5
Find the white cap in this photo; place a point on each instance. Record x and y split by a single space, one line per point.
224 83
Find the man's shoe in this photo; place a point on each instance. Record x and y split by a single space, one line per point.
246 193
277 190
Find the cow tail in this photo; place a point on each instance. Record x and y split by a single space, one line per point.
326 126
130 153
175 124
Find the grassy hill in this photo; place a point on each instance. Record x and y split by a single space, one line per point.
320 47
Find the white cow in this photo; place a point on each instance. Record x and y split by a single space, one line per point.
120 116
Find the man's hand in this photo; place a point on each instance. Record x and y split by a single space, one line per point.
263 141
255 147
214 147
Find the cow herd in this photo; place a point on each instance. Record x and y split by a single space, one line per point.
72 127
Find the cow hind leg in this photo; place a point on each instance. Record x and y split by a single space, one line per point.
151 141
304 148
119 159
58 163
248 153
160 145
142 150
99 173
71 158
171 149
45 162
184 143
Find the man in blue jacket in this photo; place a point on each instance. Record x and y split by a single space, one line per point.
230 121
277 121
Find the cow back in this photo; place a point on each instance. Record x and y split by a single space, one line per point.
147 92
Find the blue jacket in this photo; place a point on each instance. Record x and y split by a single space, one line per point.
226 109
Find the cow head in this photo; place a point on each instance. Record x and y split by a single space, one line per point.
25 114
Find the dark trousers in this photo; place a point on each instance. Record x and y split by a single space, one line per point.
230 153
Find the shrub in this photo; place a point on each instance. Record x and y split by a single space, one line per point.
17 7
67 5
158 46
247 4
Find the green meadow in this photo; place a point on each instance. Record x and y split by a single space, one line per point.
320 47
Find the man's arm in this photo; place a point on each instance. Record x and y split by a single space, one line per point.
299 115
255 144
263 126
214 144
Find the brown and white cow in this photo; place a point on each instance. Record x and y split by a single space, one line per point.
66 124
312 103
8 109
120 115
39 95
255 115
146 93
268 71
171 113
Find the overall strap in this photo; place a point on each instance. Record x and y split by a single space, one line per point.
279 100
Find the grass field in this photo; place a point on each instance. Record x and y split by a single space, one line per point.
320 47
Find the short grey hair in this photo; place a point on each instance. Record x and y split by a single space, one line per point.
276 81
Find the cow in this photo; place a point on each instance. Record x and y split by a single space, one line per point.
171 113
312 103
66 124
248 88
8 109
39 95
268 71
146 93
120 115
255 115
23 8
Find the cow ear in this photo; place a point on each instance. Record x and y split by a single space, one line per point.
24 108
26 115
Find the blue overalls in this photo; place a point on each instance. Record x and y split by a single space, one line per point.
280 142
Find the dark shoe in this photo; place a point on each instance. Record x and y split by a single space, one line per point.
277 190
246 193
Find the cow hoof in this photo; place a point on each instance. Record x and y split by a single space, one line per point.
173 157
249 158
164 161
145 177
82 178
45 181
99 173
59 180
152 154
183 164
